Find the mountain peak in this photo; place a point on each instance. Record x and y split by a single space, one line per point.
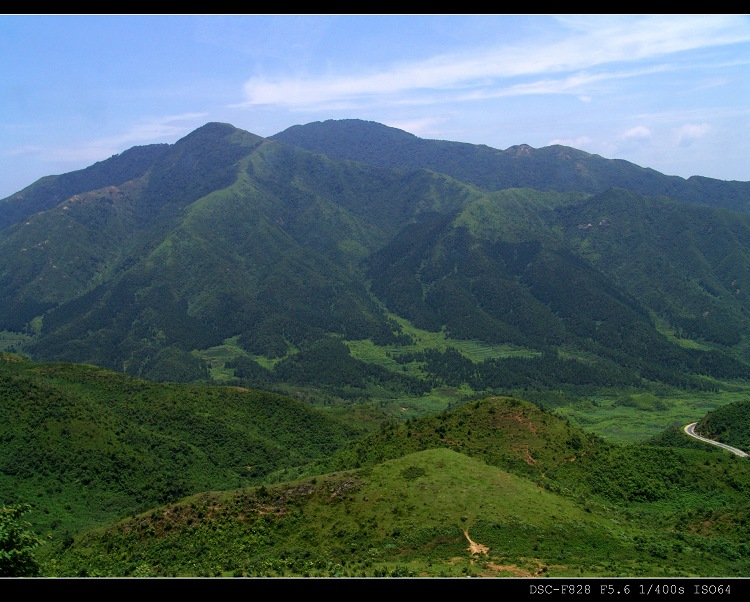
341 127
218 133
213 130
520 150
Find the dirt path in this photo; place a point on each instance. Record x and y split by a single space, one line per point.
474 547
490 569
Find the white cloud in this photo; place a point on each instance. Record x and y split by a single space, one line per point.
423 128
690 132
27 149
579 143
167 127
358 92
596 41
619 37
639 131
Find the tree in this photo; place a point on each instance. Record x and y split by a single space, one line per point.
17 543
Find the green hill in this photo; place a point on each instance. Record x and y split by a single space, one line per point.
345 351
516 501
431 513
87 446
728 424
125 477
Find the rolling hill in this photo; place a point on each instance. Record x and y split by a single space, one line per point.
493 488
106 444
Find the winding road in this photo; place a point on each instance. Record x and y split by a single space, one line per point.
690 430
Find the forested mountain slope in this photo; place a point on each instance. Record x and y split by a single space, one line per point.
249 260
556 167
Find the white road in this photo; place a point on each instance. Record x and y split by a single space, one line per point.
690 430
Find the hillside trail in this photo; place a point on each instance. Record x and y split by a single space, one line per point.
474 547
491 569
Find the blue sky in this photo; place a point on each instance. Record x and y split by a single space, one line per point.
670 92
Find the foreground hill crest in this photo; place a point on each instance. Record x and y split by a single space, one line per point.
144 479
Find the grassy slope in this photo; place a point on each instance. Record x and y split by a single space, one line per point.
430 513
412 512
538 496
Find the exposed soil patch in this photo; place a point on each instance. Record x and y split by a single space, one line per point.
474 547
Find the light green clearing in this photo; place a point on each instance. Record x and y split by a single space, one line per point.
664 328
476 351
611 420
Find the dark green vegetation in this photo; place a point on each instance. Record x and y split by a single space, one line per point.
552 168
17 543
728 424
418 342
88 445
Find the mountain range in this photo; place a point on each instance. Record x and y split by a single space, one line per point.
344 350
264 260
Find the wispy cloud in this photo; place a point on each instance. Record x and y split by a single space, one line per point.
159 129
591 43
165 128
419 127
